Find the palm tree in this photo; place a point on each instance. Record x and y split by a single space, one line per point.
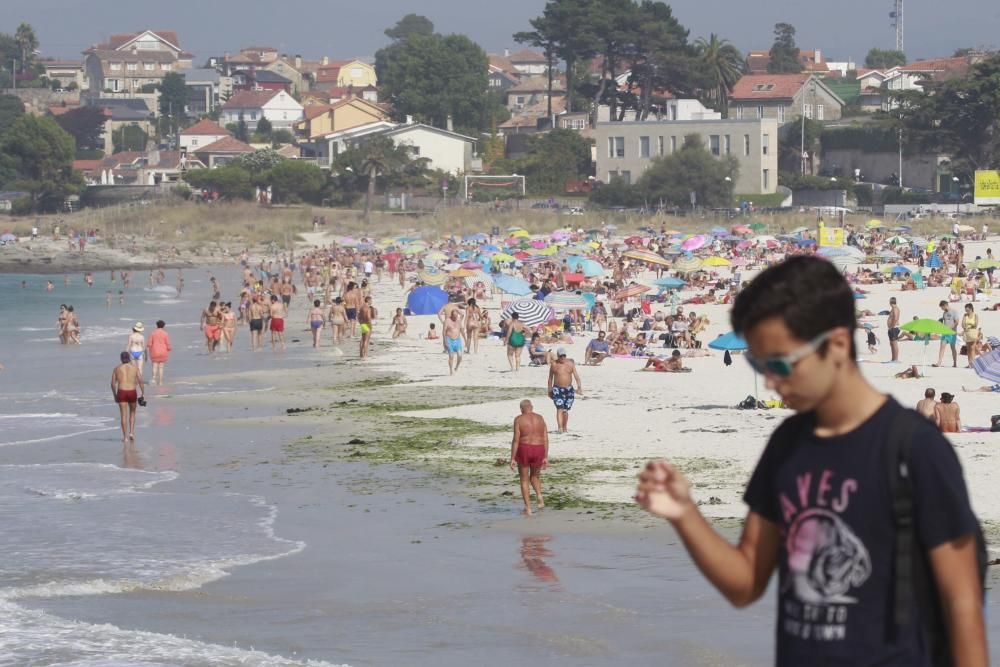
725 66
382 156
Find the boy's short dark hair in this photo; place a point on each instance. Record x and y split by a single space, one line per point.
809 295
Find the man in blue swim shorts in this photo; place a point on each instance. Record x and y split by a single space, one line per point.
454 340
562 373
950 319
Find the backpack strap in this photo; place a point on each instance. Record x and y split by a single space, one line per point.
897 456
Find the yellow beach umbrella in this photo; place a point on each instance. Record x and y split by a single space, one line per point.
502 257
463 273
716 261
519 234
549 251
874 223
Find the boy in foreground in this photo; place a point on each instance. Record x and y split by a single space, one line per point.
820 508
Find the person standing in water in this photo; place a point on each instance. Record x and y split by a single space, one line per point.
159 351
127 388
136 345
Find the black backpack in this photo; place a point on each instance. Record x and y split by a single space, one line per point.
913 579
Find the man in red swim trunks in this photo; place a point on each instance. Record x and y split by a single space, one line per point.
127 387
529 453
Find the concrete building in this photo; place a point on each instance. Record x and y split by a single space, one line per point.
279 107
129 61
625 150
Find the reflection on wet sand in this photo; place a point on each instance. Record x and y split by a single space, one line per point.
130 457
534 550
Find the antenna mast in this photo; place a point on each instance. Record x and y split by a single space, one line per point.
897 22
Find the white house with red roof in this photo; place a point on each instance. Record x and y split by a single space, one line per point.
201 134
278 106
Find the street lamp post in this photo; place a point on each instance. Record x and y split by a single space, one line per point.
958 196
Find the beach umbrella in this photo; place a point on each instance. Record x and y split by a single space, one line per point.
842 262
431 276
512 285
479 278
566 301
716 261
898 269
410 251
548 251
629 291
461 273
562 235
574 278
531 312
503 257
927 327
471 265
896 240
687 264
988 366
742 229
934 261
8 238
519 234
515 228
670 282
435 256
536 259
887 254
489 248
426 300
983 264
871 224
538 244
757 226
799 230
647 256
717 231
919 241
733 342
475 238
694 243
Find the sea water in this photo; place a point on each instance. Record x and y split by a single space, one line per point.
82 528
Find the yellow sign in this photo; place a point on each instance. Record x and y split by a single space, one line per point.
831 237
988 188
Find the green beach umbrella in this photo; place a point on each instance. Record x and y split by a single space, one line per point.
927 328
757 226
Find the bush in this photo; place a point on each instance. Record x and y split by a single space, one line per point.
864 195
182 191
898 196
796 181
616 193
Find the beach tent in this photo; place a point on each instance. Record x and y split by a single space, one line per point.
426 300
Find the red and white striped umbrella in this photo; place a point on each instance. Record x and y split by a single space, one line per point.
630 291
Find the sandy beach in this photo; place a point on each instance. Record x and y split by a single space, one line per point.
399 539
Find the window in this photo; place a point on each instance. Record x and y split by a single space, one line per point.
616 147
355 72
781 114
659 145
115 85
115 67
739 112
131 67
149 67
167 67
766 179
494 83
194 142
746 145
728 145
760 111
626 176
253 115
644 147
673 144
520 100
819 112
765 144
807 110
713 144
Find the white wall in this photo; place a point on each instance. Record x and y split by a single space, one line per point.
194 142
446 153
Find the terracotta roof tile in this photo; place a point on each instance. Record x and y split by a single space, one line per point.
250 99
226 145
205 127
768 86
527 56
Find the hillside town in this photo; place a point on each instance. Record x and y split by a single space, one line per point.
551 117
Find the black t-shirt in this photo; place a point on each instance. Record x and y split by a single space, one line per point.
831 501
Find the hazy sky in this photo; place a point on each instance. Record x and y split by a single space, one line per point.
841 28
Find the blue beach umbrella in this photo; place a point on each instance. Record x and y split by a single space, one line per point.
733 342
670 282
475 238
900 269
489 247
512 285
426 300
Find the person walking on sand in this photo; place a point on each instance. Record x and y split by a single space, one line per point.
950 319
159 351
127 388
352 304
454 338
338 320
473 319
210 321
515 340
562 373
820 510
257 311
316 319
277 323
529 453
366 319
892 326
228 326
136 345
